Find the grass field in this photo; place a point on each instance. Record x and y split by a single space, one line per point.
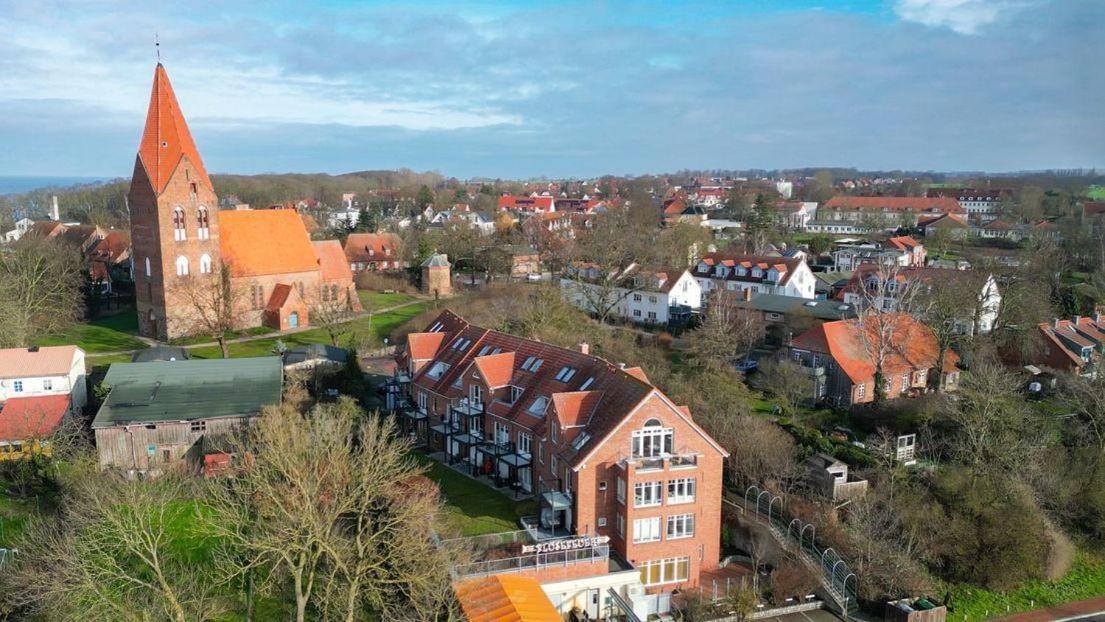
1097 193
381 326
1086 579
472 508
106 334
380 300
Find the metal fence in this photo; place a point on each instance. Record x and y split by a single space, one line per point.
801 538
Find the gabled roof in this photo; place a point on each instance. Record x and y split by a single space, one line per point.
369 247
258 242
113 247
903 242
913 346
24 418
496 369
576 407
954 221
41 361
786 266
424 345
166 139
331 260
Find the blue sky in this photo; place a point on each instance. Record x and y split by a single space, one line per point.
520 89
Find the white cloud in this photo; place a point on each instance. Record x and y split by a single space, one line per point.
966 17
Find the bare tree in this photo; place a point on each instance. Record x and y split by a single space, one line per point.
209 302
787 381
726 332
116 551
604 254
40 289
333 312
885 295
331 509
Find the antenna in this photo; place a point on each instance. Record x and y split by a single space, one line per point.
157 46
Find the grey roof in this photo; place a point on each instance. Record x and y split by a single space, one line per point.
160 353
820 309
315 352
437 260
187 390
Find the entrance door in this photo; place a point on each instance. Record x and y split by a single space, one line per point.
592 607
293 320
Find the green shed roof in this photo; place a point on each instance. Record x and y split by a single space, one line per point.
820 309
192 389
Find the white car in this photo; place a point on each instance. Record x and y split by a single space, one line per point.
533 277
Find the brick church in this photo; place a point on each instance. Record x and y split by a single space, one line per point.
189 257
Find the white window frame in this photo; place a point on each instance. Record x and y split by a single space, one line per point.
182 266
681 490
652 442
647 494
646 530
679 527
621 490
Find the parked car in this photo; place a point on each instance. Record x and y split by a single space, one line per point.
747 365
533 277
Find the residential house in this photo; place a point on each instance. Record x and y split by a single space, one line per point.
782 316
22 226
885 212
761 274
39 387
645 295
867 287
450 219
954 226
620 473
1075 345
315 355
162 415
345 218
837 227
980 203
897 251
527 203
374 252
109 260
1093 217
796 215
840 358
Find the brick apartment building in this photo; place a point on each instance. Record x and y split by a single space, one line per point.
605 453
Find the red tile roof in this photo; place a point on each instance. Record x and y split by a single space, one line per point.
257 242
575 408
904 242
331 260
944 220
895 204
370 247
786 266
913 346
526 204
496 369
1093 208
166 139
112 248
23 418
422 346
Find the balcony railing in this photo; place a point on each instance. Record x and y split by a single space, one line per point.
469 408
520 552
640 464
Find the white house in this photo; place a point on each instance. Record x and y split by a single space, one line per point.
638 294
759 274
480 221
979 320
49 370
22 226
347 217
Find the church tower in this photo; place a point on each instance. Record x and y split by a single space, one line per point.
174 221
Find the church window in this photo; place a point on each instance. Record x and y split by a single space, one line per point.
205 264
333 292
182 266
202 221
178 224
147 266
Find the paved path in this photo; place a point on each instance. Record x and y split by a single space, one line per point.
273 335
1085 610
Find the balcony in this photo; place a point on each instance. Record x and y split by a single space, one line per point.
684 460
468 408
521 551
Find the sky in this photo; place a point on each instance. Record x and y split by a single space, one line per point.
517 89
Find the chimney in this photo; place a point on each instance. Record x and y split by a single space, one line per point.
1076 319
1055 323
55 214
585 347
747 294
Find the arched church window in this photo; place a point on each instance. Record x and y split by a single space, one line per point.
205 264
182 266
147 266
178 224
202 223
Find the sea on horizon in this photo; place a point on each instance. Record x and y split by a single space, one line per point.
18 184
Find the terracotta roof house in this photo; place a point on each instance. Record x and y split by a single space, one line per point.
1075 345
840 358
373 252
527 204
619 471
39 386
180 239
759 274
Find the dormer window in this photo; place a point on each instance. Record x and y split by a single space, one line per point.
484 350
537 408
436 327
565 374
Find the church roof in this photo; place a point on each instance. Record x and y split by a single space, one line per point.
256 242
166 139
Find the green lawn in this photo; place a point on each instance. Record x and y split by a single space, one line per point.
472 508
106 334
248 332
380 300
1086 579
381 326
14 514
1097 193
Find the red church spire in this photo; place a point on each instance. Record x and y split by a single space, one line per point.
166 138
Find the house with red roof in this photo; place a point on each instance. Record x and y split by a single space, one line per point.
1075 345
980 203
757 274
620 473
39 387
373 252
841 359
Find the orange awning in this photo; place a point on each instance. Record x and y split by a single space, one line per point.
505 598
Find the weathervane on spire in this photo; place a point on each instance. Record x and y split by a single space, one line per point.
157 46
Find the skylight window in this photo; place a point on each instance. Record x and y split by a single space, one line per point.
529 362
538 406
436 327
581 440
536 365
484 350
532 364
565 374
496 350
438 370
461 344
587 383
